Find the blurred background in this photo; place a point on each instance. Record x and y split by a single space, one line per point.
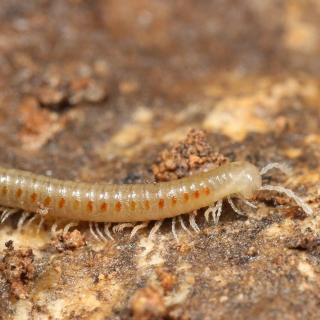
95 90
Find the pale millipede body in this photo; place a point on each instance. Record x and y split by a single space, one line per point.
128 204
102 202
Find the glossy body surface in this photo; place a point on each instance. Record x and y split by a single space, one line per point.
124 203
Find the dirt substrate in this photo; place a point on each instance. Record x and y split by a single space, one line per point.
108 91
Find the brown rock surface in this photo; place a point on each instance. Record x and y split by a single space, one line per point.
17 267
96 90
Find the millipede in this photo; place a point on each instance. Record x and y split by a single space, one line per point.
132 205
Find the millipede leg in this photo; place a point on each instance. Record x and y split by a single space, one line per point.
93 232
291 195
183 226
7 213
215 211
54 228
173 228
209 211
249 204
137 228
155 228
234 208
121 226
99 233
29 222
216 215
275 165
4 215
22 219
107 231
192 222
68 226
40 224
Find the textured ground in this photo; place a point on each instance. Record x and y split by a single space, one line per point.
96 90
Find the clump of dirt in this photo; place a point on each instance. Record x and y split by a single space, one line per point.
148 303
166 278
38 125
59 88
304 242
62 94
269 198
187 156
68 241
295 212
17 267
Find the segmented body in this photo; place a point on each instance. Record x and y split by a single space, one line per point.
124 203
